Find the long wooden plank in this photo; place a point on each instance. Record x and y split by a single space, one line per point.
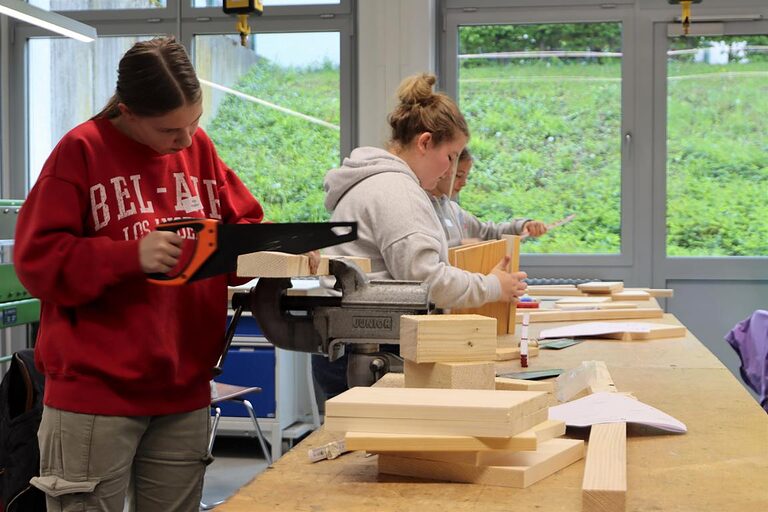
528 440
604 488
600 314
435 404
516 469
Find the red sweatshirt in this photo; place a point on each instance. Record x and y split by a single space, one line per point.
109 341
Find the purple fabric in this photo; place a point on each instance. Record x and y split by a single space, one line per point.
749 338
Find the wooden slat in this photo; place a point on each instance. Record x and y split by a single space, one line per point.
600 314
604 488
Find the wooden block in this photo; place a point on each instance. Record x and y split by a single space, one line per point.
511 469
609 287
604 488
281 264
447 338
631 295
483 413
272 264
473 375
511 353
482 258
506 384
528 440
600 314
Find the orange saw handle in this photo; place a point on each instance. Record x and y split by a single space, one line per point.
205 245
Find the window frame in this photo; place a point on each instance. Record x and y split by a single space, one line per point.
490 12
669 268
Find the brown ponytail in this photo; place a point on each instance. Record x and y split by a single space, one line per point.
422 110
153 78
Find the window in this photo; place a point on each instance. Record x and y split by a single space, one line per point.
717 158
267 3
543 103
273 111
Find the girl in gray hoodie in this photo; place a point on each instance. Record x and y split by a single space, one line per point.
385 191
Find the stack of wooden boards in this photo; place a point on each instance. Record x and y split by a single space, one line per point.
496 433
599 300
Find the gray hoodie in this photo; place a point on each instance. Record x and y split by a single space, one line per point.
459 224
398 228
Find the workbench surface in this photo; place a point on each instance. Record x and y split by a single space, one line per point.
721 464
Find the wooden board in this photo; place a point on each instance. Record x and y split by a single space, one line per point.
625 331
600 314
447 338
464 375
513 469
604 488
608 287
482 258
469 427
435 404
280 264
528 440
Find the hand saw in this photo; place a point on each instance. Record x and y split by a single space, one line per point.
217 245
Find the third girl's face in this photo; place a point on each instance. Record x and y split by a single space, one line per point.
439 161
444 184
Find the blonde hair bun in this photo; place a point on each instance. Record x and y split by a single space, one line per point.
417 89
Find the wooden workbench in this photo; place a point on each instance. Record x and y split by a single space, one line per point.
721 464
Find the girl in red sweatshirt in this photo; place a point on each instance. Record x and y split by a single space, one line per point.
127 362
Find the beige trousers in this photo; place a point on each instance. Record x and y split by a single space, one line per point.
87 461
